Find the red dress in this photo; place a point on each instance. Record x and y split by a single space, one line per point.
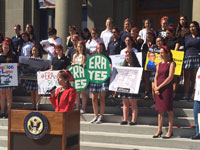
164 101
67 100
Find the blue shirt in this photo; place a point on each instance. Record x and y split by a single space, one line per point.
192 45
114 47
16 41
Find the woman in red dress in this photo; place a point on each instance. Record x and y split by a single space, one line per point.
64 98
164 91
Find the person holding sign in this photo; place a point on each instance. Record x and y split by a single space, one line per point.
80 59
6 93
31 85
164 91
128 98
64 98
99 89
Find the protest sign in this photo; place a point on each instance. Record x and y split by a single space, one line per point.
119 59
8 74
197 86
29 66
98 67
151 60
154 58
81 77
126 79
178 59
46 80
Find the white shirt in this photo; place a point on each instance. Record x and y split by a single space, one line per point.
105 36
50 50
91 45
123 52
26 48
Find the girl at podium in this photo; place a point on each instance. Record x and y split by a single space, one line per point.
63 98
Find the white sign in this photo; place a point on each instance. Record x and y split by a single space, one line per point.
118 60
46 80
8 74
126 79
197 86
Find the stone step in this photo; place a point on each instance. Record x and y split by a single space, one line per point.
139 140
3 141
4 130
111 102
112 118
3 148
107 146
4 122
144 111
136 129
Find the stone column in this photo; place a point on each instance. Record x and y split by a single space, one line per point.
68 12
14 14
196 11
186 9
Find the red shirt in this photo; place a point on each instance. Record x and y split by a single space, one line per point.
67 100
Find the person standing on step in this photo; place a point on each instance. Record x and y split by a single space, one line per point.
127 98
164 91
80 58
196 109
31 85
6 93
191 61
99 90
63 99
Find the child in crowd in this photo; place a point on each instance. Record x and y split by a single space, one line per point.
31 85
99 90
60 61
6 93
127 98
80 59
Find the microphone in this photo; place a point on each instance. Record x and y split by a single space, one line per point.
51 89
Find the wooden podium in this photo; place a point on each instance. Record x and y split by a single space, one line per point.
63 131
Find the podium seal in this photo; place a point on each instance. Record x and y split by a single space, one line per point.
35 125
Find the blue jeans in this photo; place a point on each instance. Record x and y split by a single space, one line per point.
196 111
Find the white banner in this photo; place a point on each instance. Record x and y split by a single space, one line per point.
126 79
46 80
118 60
197 86
8 74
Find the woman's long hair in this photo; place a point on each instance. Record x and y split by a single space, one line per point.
134 60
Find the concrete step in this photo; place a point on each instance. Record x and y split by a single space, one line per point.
139 140
112 118
144 111
4 130
3 148
136 129
4 122
107 146
110 102
3 141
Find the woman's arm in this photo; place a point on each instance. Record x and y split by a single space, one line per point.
169 78
177 47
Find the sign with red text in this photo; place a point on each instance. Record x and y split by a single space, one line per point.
98 67
46 80
8 74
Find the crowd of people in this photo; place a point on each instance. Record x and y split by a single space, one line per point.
160 85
